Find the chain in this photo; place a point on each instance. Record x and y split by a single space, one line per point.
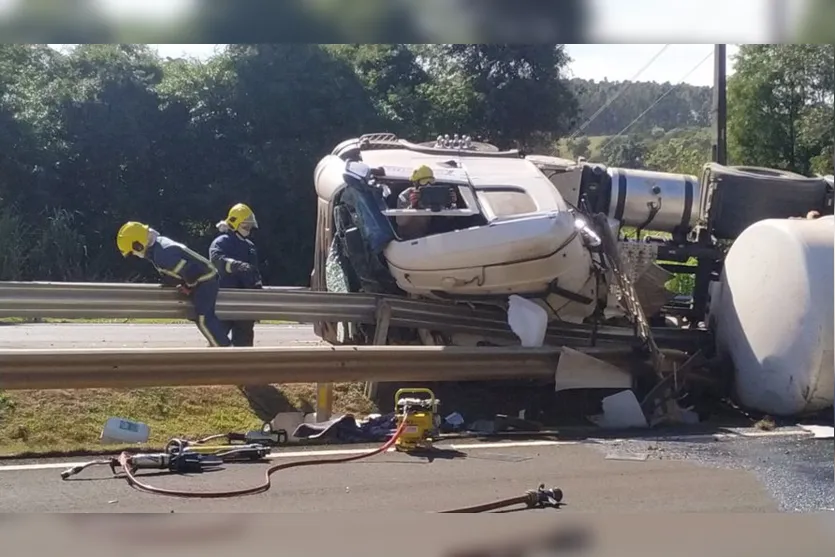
628 295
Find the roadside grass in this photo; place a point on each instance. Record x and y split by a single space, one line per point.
37 422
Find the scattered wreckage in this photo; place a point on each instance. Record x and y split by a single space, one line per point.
544 242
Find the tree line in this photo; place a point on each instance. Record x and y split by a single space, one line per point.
108 133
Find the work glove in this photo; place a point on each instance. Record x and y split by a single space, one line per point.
414 198
184 290
241 267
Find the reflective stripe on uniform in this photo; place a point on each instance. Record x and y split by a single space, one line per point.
208 276
201 324
196 255
179 267
169 273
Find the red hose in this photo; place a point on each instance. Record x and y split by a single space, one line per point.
124 460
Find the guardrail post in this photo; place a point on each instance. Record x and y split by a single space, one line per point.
381 334
324 401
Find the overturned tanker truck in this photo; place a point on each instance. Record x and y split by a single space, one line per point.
575 250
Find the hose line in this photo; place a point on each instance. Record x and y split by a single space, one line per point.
124 461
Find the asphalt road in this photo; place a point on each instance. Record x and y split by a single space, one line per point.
762 474
120 335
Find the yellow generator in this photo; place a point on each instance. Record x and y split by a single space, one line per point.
421 416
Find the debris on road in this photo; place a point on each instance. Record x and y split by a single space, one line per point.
767 423
820 431
638 457
621 411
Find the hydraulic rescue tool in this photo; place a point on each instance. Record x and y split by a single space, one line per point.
418 417
185 457
182 463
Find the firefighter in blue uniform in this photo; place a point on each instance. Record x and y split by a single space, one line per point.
234 255
193 274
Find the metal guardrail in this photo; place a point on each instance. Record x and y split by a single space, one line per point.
135 368
95 300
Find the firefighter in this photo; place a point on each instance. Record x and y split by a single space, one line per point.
235 256
410 227
193 274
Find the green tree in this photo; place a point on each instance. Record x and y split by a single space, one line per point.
395 82
780 103
514 94
579 147
685 154
685 106
624 152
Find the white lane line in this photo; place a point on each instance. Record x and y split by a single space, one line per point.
308 454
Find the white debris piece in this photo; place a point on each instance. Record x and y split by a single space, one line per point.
527 320
622 411
121 430
820 431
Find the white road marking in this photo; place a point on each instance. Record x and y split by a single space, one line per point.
740 433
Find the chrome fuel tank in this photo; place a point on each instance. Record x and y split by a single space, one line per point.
658 201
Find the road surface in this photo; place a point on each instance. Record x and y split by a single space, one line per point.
121 335
758 474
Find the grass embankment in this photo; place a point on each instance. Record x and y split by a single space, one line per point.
72 420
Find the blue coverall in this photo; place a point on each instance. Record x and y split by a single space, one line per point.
236 259
187 268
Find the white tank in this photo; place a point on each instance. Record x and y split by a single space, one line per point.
772 312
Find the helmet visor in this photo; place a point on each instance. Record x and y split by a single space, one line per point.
248 223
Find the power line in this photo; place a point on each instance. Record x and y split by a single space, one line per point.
658 100
619 93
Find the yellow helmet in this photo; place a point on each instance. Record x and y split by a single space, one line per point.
133 238
423 175
241 214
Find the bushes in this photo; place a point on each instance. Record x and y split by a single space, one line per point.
50 248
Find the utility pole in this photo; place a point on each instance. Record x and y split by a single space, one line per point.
720 106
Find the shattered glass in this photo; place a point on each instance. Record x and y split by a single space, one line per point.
335 278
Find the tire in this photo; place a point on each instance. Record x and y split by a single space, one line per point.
743 195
